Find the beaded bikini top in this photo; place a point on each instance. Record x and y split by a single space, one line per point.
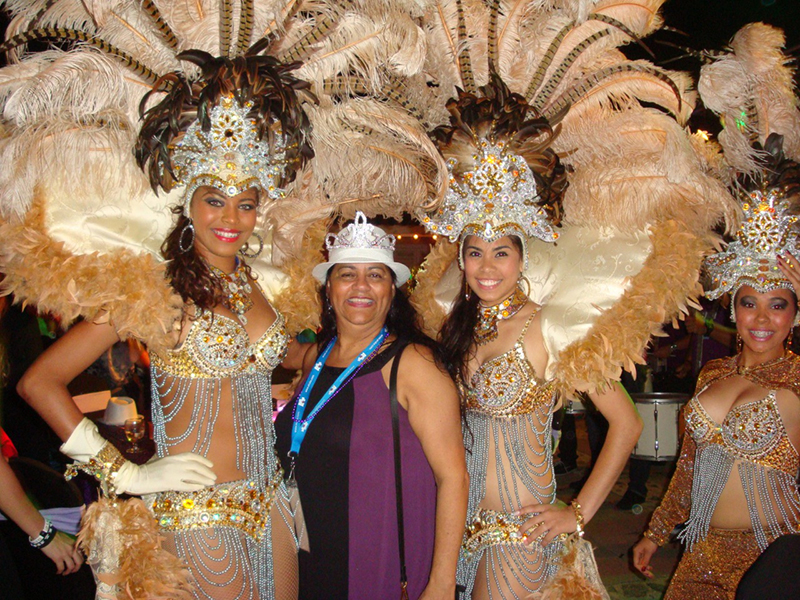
506 385
219 347
752 431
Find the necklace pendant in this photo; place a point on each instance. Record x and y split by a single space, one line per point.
488 316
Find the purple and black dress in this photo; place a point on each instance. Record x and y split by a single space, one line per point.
345 475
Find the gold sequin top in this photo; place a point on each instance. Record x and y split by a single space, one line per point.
219 347
506 385
751 432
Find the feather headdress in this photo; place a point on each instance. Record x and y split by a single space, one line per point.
751 87
80 221
635 177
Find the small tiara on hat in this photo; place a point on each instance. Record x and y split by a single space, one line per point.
229 156
767 230
496 199
360 234
360 242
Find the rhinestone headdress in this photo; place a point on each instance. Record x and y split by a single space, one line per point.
498 198
229 156
767 230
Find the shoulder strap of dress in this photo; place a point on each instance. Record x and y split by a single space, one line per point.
528 323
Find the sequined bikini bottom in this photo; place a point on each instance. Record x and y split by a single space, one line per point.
241 504
490 528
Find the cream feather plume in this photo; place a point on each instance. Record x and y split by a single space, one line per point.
632 168
752 88
70 119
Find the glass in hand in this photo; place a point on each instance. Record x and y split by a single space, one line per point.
134 431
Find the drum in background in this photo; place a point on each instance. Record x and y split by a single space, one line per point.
575 407
659 412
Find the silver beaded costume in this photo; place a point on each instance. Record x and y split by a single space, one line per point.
223 532
509 415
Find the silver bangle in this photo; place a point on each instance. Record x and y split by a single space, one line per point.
45 536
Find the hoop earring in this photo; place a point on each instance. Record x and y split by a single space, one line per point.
527 284
244 249
739 343
190 228
467 291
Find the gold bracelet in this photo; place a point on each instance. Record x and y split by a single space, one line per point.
576 508
103 466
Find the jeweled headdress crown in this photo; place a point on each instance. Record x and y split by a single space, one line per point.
769 228
505 178
497 198
229 155
240 125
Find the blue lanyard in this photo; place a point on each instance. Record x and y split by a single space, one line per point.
299 424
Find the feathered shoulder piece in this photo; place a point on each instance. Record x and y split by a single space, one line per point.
160 96
639 199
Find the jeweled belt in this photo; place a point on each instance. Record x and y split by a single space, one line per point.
241 504
489 528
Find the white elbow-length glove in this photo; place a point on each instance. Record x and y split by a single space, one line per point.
186 472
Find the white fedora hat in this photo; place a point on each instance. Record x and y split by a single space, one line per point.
360 243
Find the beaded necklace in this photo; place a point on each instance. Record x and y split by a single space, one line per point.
488 316
742 370
238 289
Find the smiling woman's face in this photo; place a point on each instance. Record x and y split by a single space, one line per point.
764 321
222 224
361 294
492 269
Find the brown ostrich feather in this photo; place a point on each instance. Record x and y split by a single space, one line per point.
261 79
668 281
779 172
423 299
496 113
299 300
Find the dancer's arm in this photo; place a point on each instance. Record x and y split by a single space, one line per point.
44 387
624 427
673 510
17 507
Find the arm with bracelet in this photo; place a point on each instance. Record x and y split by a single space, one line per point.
14 503
44 387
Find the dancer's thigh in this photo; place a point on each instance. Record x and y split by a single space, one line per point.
284 552
509 572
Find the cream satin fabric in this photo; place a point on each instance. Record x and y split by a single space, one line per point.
577 278
87 223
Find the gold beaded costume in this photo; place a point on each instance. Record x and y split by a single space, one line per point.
751 438
138 104
508 412
224 532
750 447
541 120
